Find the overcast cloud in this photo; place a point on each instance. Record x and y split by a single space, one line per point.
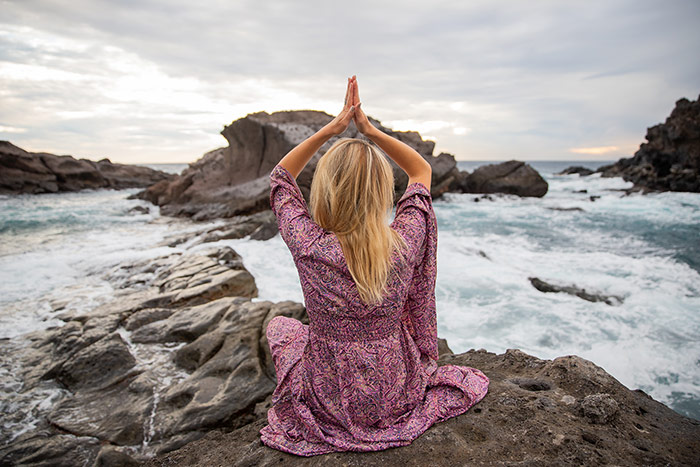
156 80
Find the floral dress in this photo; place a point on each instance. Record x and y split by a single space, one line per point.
360 377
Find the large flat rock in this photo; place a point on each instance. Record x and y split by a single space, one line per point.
565 411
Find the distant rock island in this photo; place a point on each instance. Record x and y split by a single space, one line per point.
669 160
233 180
40 172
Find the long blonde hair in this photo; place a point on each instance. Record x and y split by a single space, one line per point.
352 194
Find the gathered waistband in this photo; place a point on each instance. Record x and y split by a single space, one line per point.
344 328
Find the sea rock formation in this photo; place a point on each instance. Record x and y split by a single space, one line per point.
28 172
576 169
670 159
579 292
511 177
234 180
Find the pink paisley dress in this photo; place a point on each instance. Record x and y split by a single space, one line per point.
359 377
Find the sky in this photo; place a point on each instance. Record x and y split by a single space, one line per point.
155 81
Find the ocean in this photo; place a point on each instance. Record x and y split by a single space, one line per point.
56 249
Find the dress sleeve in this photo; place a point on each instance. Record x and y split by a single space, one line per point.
415 220
296 226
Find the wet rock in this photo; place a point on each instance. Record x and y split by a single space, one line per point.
233 181
27 172
546 287
117 414
99 364
512 177
576 169
556 208
512 424
60 450
670 159
139 210
110 456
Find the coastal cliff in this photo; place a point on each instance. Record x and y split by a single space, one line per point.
670 158
177 366
29 172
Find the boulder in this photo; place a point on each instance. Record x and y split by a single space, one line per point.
670 159
546 287
27 172
576 169
565 411
234 180
511 177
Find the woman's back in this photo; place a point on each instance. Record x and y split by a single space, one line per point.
360 377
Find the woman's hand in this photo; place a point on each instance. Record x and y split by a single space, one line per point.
361 121
340 123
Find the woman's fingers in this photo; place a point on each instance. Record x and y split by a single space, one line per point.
355 92
348 94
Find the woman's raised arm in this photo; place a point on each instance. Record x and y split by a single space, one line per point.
297 158
417 168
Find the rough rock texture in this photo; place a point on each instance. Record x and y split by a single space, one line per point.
566 411
670 159
234 180
546 287
511 177
122 385
27 172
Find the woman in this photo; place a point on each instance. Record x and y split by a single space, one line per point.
362 376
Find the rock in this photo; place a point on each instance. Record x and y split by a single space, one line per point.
670 159
512 177
117 413
62 450
599 408
110 456
576 169
558 208
546 287
27 172
233 181
99 364
139 210
529 417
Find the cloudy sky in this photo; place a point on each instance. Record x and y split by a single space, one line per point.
156 80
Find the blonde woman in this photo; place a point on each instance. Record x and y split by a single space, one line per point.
363 375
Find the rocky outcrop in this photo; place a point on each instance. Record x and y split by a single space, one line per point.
565 411
27 172
511 177
670 159
547 287
178 366
576 169
233 181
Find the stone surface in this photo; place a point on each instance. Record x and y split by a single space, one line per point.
532 416
512 177
576 169
233 181
546 287
27 172
670 159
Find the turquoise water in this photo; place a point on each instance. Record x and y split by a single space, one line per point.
56 249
